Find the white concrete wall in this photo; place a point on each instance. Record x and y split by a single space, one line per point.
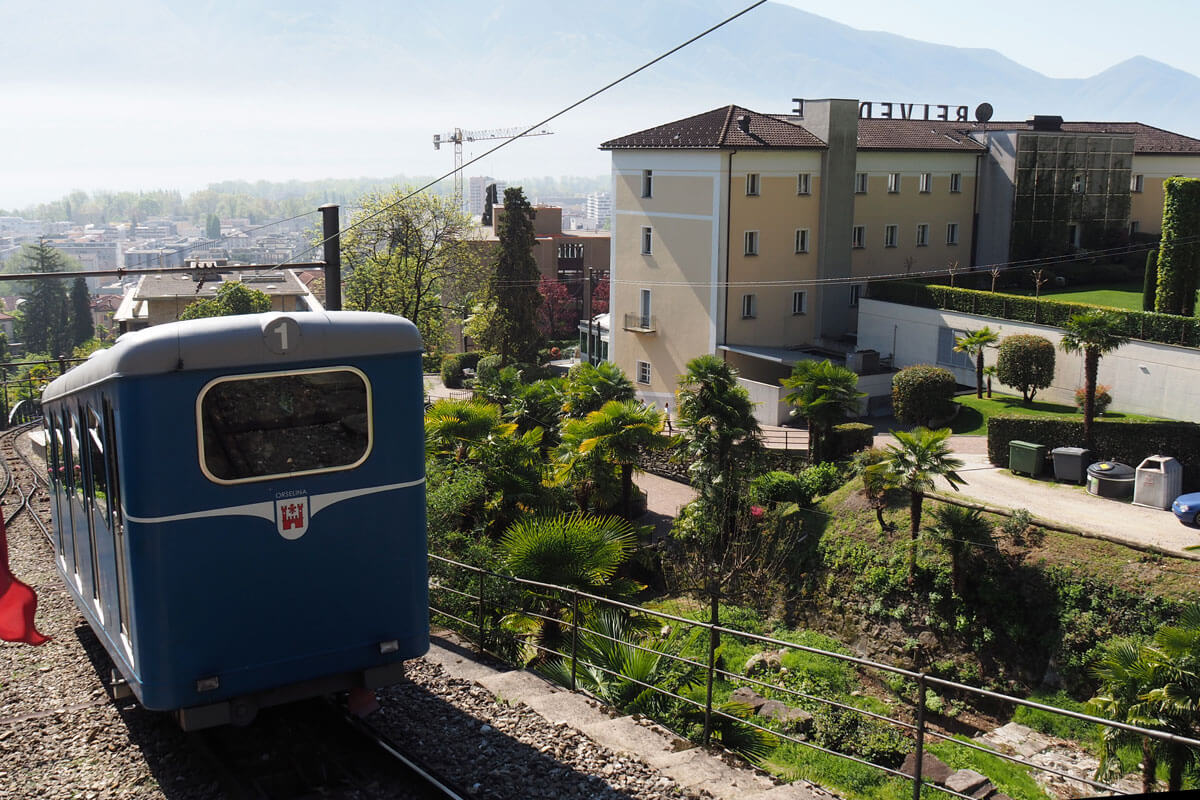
1144 378
769 406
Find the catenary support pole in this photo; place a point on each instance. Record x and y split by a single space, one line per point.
331 234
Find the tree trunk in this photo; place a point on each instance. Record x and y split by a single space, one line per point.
1149 765
979 373
914 520
627 491
883 526
989 386
1175 775
1091 365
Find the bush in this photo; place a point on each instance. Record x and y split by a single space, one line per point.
922 394
453 365
1026 362
1103 398
778 487
851 437
488 368
431 362
1145 325
820 479
1126 442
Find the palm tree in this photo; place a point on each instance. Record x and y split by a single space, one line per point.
1092 333
875 483
615 434
452 427
589 386
714 413
973 344
576 550
918 457
1174 656
823 393
958 529
989 372
1126 675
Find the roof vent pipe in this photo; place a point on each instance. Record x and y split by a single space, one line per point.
743 122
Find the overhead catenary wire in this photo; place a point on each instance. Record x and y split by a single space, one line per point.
530 129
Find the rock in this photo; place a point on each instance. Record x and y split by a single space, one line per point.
965 781
933 769
766 661
772 709
744 694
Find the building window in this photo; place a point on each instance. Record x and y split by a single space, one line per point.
799 303
644 307
804 183
860 183
1136 184
749 306
855 293
893 182
647 240
1073 235
1077 184
751 243
643 372
802 240
1134 226
890 233
859 236
946 354
751 184
926 181
955 182
951 233
647 183
922 235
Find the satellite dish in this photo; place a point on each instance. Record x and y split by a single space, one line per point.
983 112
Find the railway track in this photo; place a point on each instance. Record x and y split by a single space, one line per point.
312 749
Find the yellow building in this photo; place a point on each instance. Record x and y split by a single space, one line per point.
744 234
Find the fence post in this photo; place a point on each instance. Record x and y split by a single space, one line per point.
712 666
482 640
574 634
920 750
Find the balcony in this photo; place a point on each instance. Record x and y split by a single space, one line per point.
639 323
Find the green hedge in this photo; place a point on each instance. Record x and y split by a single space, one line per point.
1146 325
850 437
1126 442
453 365
922 393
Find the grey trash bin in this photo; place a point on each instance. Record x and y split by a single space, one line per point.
1071 463
1159 481
1110 479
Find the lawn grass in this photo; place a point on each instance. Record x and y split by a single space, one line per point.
1126 295
972 418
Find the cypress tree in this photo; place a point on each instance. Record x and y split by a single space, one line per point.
513 332
1177 254
1150 281
82 329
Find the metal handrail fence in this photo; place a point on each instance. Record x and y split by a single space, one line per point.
489 608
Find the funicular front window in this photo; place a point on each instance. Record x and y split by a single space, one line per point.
259 426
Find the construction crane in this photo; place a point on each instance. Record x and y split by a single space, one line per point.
458 136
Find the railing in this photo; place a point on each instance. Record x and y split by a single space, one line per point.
643 323
478 614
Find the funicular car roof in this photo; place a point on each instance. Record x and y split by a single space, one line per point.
240 341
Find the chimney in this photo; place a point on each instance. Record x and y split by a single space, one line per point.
1042 122
743 122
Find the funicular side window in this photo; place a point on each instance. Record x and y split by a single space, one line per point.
116 520
254 427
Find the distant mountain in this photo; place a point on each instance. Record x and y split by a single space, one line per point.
506 49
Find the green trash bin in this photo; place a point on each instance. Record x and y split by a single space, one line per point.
1026 457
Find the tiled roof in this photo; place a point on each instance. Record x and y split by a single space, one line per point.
897 134
717 129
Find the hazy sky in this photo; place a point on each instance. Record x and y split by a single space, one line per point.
1058 38
76 115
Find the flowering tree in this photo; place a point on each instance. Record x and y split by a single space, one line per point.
558 314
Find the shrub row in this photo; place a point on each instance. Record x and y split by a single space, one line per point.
1126 442
1146 325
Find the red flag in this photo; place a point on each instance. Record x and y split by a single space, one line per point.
17 601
